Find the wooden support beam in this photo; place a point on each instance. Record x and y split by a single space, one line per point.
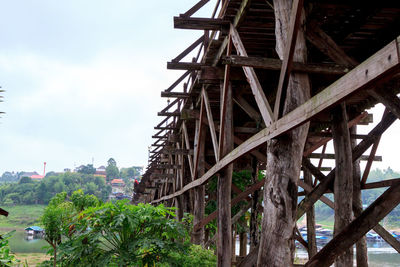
189 49
175 94
327 45
180 79
169 114
261 100
295 19
338 91
254 114
194 9
357 228
211 124
185 65
198 136
276 64
170 105
332 156
343 183
200 23
187 144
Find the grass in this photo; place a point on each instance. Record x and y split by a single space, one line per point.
32 259
21 216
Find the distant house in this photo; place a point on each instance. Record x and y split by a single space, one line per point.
117 182
34 230
27 174
101 172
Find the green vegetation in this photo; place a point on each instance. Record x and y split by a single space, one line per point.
22 216
6 258
27 191
84 231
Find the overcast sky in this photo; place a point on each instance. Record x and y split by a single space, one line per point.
83 80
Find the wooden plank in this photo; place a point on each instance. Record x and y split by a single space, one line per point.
169 114
261 100
175 94
357 228
200 23
185 65
276 64
295 18
211 124
378 65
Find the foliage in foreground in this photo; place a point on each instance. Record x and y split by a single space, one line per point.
6 259
86 232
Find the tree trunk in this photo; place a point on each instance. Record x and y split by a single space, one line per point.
284 155
311 240
343 185
224 243
361 245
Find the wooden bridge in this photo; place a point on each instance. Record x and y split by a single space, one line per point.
267 85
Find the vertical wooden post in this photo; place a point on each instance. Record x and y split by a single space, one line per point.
284 155
224 243
199 202
311 239
254 221
343 185
243 244
361 245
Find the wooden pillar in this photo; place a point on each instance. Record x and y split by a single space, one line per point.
243 244
343 185
254 221
284 155
311 239
361 245
199 202
224 243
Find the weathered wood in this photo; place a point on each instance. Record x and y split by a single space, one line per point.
175 94
276 64
255 205
184 65
389 99
361 245
199 134
261 100
200 23
224 242
199 201
187 145
211 124
357 228
241 102
378 65
311 238
380 184
284 156
289 49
